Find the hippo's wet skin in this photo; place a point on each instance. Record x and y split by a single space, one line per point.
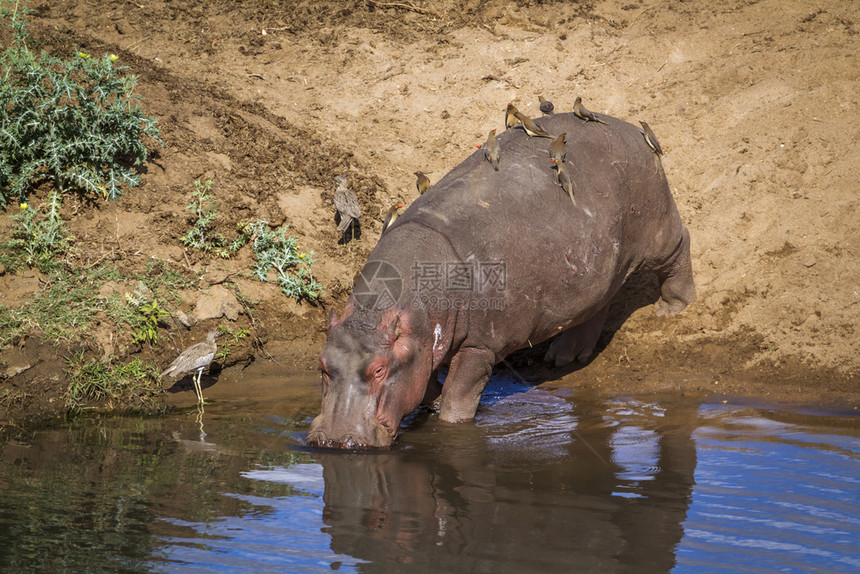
489 262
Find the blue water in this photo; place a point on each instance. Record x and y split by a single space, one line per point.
772 496
543 481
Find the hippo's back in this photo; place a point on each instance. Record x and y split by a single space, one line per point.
558 259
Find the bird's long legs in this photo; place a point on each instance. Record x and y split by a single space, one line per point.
197 388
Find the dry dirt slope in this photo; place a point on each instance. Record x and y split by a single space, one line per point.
755 104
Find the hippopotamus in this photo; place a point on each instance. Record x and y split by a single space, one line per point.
488 262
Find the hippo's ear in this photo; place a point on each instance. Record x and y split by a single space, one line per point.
392 330
332 319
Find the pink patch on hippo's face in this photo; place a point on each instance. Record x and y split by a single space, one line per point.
376 373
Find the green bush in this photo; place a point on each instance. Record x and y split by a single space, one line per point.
199 237
75 122
149 314
274 250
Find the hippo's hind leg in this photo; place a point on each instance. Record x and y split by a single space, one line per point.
677 289
577 342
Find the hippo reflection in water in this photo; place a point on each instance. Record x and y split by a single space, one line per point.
479 499
489 262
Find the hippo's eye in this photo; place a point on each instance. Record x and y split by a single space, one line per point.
377 372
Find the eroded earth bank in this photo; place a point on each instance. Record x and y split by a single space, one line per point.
755 105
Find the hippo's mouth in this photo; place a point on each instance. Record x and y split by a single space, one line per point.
320 439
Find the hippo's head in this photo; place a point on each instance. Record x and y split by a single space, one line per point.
375 369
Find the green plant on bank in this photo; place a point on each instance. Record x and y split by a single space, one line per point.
146 313
75 122
245 233
203 206
68 304
149 314
229 338
62 309
165 279
93 381
38 237
274 250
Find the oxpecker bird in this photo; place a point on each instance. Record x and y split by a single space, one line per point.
584 113
558 151
651 138
492 150
510 116
422 182
390 217
563 179
546 106
532 129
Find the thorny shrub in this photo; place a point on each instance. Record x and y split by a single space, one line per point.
75 122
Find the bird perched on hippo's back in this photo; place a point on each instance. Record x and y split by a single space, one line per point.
558 149
651 139
422 182
532 129
546 106
563 179
511 116
390 217
492 151
584 113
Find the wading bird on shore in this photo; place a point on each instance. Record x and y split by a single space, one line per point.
194 358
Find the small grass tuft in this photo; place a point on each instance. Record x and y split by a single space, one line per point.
229 338
65 309
135 383
39 237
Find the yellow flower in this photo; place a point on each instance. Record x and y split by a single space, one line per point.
113 57
83 55
301 255
24 206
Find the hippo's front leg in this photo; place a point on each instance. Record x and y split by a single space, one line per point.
467 376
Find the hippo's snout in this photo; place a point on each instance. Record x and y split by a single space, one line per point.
320 434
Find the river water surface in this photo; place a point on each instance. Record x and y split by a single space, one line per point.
543 481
